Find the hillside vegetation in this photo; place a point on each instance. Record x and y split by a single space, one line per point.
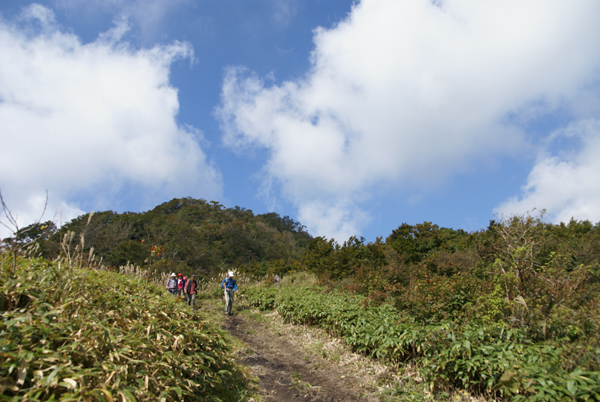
511 311
72 334
183 235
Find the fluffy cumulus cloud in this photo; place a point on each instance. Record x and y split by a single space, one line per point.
342 215
406 92
92 122
566 184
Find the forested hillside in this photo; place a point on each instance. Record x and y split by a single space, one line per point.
185 234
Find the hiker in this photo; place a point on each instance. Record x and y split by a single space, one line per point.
180 284
229 285
183 287
172 284
276 279
191 289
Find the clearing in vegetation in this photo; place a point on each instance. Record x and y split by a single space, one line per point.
305 362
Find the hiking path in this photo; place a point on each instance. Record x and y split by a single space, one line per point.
294 363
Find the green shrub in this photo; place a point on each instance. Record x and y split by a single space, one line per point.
492 358
81 334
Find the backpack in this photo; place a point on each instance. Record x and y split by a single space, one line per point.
229 281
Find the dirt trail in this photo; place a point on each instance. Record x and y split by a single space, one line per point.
287 372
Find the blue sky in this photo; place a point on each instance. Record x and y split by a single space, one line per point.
351 117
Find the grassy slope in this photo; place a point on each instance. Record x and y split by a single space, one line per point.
81 334
495 359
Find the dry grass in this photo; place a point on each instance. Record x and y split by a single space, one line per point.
214 282
317 342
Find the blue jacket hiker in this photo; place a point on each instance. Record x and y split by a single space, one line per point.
229 286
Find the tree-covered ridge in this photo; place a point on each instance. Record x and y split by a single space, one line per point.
522 270
512 311
187 235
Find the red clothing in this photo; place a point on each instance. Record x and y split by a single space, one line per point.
191 287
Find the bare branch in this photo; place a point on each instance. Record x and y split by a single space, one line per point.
44 211
11 219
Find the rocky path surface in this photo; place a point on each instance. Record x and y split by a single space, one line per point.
288 373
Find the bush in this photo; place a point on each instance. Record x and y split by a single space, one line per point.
492 358
81 334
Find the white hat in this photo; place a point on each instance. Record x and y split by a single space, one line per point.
173 274
230 273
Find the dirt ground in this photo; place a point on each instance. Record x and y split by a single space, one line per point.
300 363
293 363
287 372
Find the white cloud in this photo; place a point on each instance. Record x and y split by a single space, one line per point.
411 92
567 184
339 219
90 122
117 32
283 11
39 12
147 15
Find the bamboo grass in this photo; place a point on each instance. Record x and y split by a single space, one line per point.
70 333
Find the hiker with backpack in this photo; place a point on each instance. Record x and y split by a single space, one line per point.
191 289
172 284
229 286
